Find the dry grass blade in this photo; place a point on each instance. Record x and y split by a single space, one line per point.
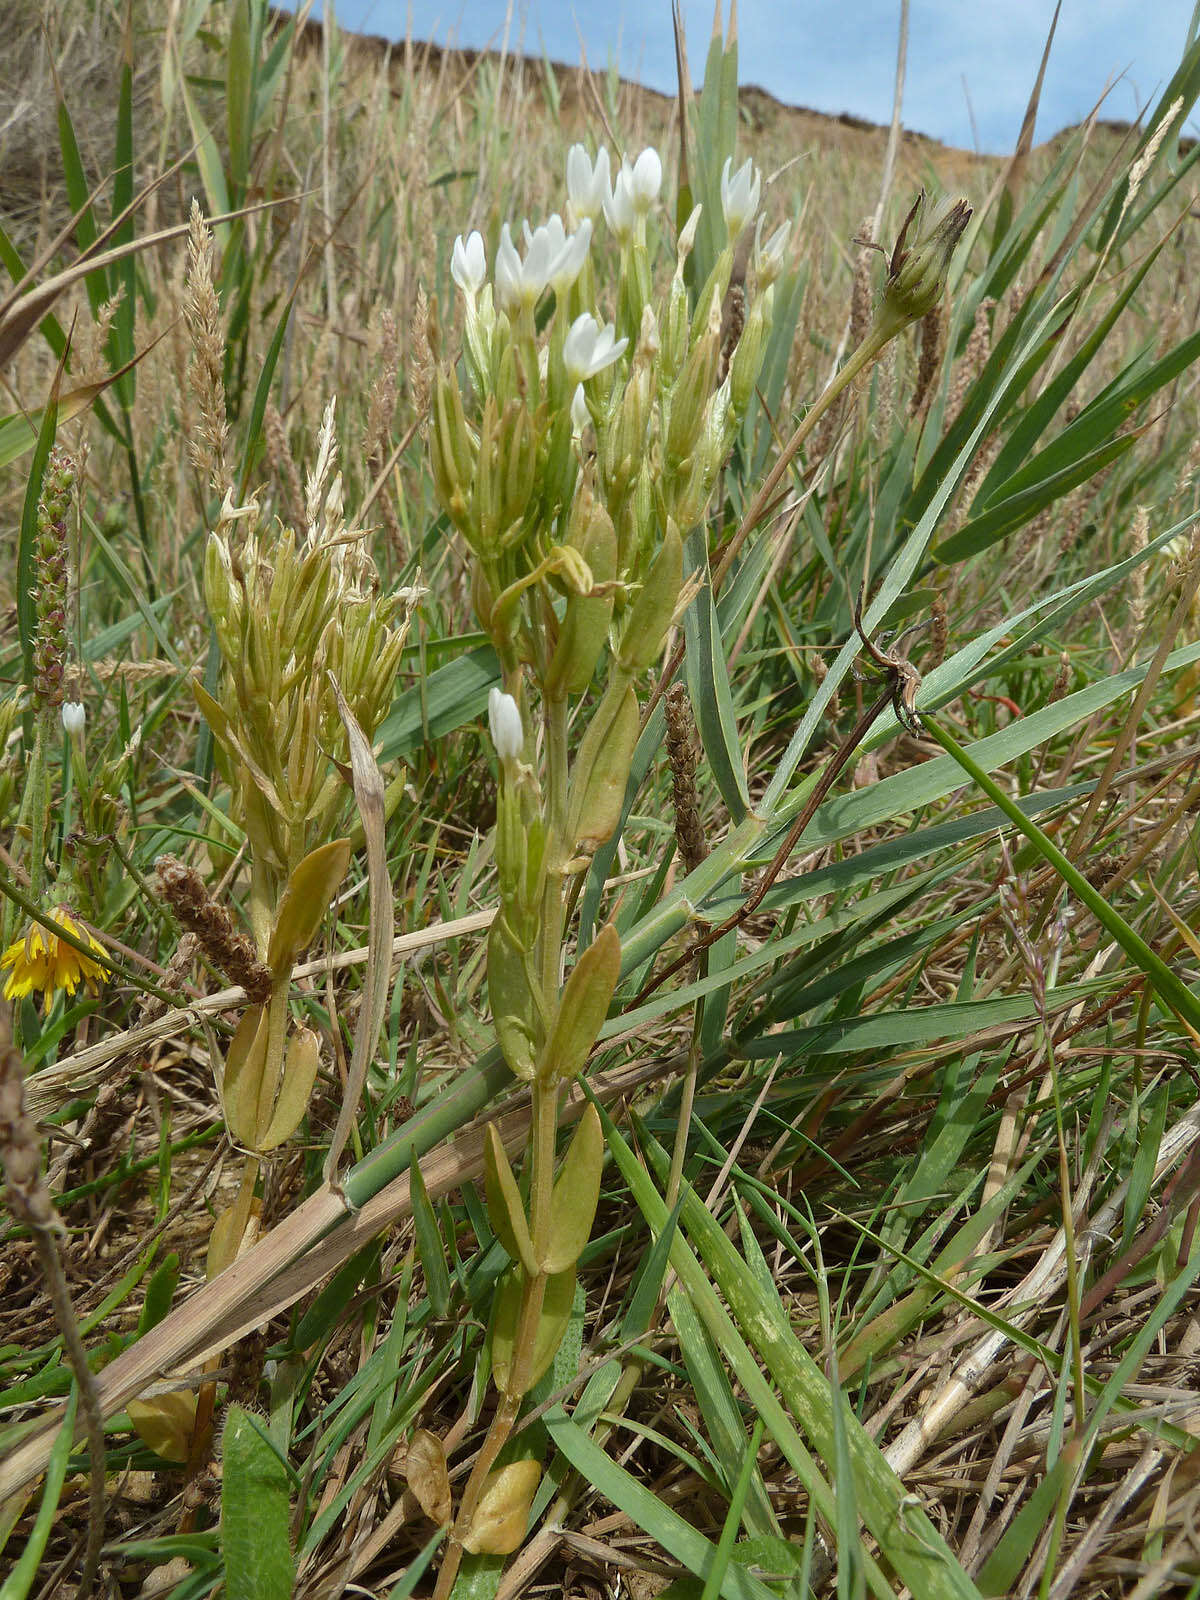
86 1068
1042 1282
291 1260
23 312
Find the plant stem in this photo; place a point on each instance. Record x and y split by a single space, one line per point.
38 808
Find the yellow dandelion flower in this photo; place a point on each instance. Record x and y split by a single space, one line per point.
41 960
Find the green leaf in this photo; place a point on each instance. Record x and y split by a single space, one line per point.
708 687
430 1245
255 1513
907 1539
23 1575
449 698
1016 510
506 1209
647 1510
576 1194
1175 994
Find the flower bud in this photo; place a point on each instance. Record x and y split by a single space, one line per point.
740 192
468 264
588 184
690 397
585 622
504 721
451 451
655 606
73 717
747 360
769 258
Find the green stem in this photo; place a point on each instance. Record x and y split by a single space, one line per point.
542 1143
38 808
558 848
867 351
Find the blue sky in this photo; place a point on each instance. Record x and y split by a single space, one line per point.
839 55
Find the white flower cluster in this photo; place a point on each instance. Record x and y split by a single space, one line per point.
554 258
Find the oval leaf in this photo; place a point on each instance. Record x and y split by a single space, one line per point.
502 1514
305 901
584 1005
506 1210
576 1194
427 1475
299 1075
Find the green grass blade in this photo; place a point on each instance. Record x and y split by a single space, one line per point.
1174 994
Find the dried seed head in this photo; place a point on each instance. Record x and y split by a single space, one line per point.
974 359
1062 679
229 951
681 751
50 578
861 295
939 632
20 1147
381 397
933 332
206 365
421 362
1139 537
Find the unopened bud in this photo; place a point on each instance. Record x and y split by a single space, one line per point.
747 360
504 721
73 717
452 455
655 606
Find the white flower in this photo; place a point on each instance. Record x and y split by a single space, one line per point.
468 264
647 179
739 194
687 236
580 415
634 192
588 185
567 251
510 277
73 716
769 257
551 257
618 206
589 348
504 720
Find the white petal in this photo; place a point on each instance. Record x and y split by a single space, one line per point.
580 416
504 721
579 345
618 207
647 178
468 264
509 276
569 263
